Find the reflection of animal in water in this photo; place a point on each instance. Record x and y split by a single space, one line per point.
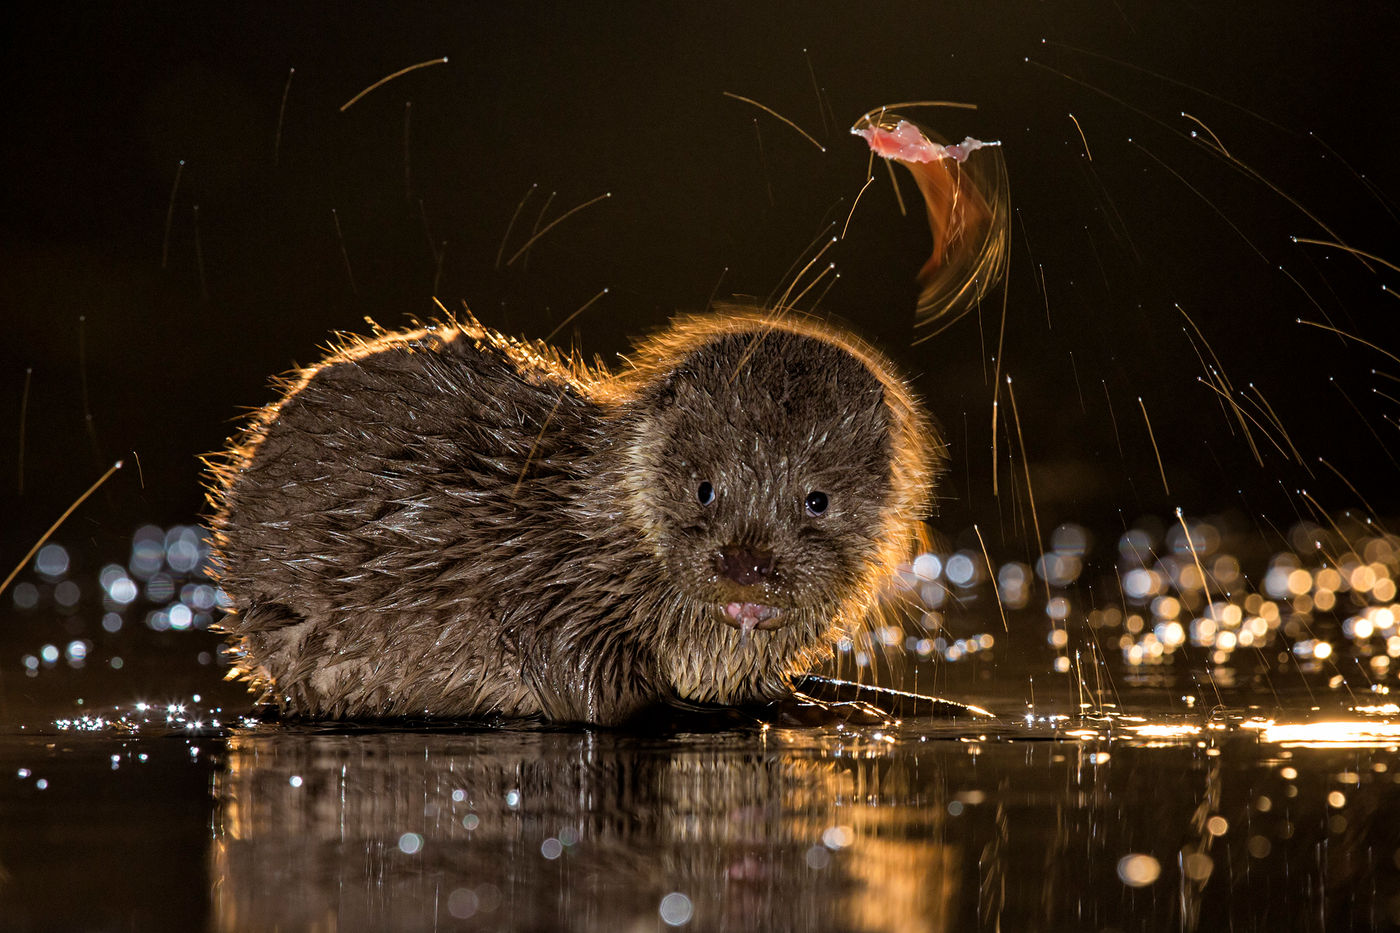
490 818
449 522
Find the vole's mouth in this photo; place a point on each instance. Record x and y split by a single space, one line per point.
750 616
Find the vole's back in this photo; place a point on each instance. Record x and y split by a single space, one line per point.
362 516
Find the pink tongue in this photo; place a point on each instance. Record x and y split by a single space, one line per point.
749 615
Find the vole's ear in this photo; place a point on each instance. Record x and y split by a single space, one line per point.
662 393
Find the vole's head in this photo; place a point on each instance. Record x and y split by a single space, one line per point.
779 472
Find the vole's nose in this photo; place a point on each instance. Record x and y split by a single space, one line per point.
744 565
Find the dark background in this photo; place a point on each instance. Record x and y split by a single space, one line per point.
100 104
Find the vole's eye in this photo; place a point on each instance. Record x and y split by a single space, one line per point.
705 494
816 503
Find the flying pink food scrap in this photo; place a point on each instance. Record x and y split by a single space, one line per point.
968 209
907 143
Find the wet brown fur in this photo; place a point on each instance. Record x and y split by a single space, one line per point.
449 522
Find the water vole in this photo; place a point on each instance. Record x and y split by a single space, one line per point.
449 522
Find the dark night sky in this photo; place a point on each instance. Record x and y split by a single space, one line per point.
102 102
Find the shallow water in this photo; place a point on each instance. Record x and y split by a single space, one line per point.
1191 753
1098 824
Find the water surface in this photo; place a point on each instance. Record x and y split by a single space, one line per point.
1094 824
1211 746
